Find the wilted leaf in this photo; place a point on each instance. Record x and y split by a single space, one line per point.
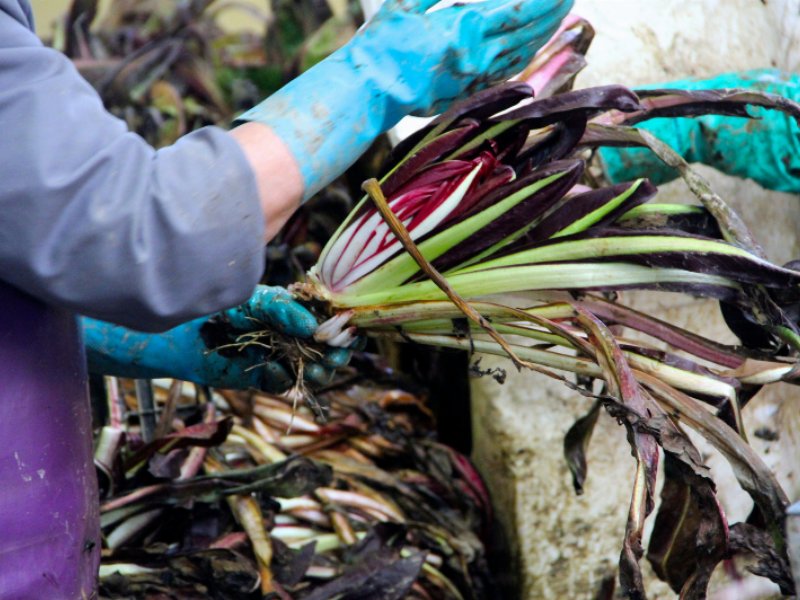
205 435
167 466
295 476
634 401
214 573
292 477
576 442
770 562
690 536
290 566
751 472
377 571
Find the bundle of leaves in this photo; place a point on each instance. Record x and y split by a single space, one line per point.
488 233
366 505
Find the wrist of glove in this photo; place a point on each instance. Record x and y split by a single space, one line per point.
766 149
195 351
403 61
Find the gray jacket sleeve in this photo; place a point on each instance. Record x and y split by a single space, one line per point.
94 219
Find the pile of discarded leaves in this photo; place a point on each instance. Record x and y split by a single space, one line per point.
245 496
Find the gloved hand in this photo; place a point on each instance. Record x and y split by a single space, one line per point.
185 352
766 150
402 61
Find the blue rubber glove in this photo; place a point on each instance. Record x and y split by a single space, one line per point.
402 61
185 352
766 150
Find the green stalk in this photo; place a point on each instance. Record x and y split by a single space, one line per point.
562 362
397 314
605 247
445 327
681 378
533 277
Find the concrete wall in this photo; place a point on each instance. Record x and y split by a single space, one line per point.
563 545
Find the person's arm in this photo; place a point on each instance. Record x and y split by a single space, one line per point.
94 219
278 179
766 149
406 60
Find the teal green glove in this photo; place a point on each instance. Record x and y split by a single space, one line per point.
402 61
185 351
766 150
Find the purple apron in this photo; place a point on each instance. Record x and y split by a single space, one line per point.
49 523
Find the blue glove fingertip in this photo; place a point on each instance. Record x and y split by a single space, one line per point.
317 374
336 357
276 308
272 377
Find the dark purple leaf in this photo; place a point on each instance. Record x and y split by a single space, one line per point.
76 28
377 571
290 566
484 104
167 466
676 337
527 211
433 151
744 326
209 573
735 267
478 106
682 103
731 225
555 146
290 478
587 101
607 588
295 476
698 222
573 169
579 207
756 317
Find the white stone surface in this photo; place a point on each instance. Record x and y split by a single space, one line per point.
564 545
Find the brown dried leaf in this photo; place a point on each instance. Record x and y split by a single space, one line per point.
576 442
690 535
